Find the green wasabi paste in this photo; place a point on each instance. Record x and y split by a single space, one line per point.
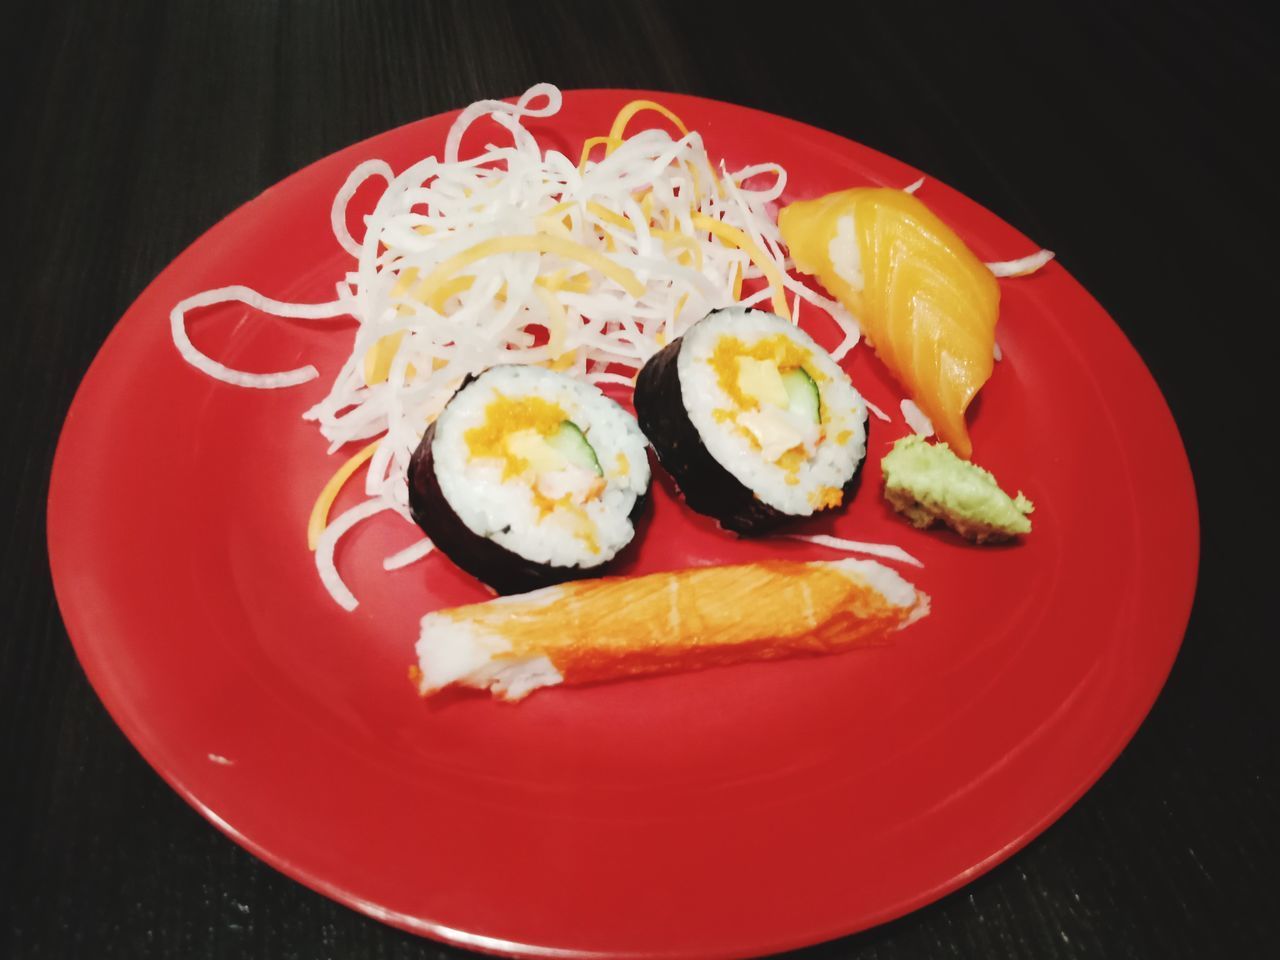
926 482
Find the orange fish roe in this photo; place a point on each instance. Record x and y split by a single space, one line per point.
784 352
505 416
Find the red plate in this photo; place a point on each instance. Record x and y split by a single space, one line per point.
740 810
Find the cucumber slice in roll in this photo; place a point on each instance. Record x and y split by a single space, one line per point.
572 444
802 395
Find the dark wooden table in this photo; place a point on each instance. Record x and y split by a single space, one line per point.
1131 143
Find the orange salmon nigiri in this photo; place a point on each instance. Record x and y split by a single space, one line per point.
616 627
926 304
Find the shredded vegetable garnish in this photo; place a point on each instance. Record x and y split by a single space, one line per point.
1021 267
324 503
735 237
328 543
518 255
410 554
876 411
513 253
636 106
251 298
886 551
916 418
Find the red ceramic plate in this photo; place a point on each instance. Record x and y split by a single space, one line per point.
740 810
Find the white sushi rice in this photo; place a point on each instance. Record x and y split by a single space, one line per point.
845 253
506 511
843 409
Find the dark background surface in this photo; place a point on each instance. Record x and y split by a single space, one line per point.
1130 143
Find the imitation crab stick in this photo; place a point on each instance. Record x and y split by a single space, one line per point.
607 629
926 303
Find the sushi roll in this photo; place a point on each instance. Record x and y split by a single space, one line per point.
529 478
754 421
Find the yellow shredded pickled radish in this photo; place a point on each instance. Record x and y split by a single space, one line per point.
630 110
734 236
319 518
609 143
534 243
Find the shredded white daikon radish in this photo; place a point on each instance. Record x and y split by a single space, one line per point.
916 418
886 551
913 186
410 554
238 378
328 543
515 255
1021 267
337 215
879 414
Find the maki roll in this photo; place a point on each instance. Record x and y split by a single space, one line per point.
529 478
754 421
